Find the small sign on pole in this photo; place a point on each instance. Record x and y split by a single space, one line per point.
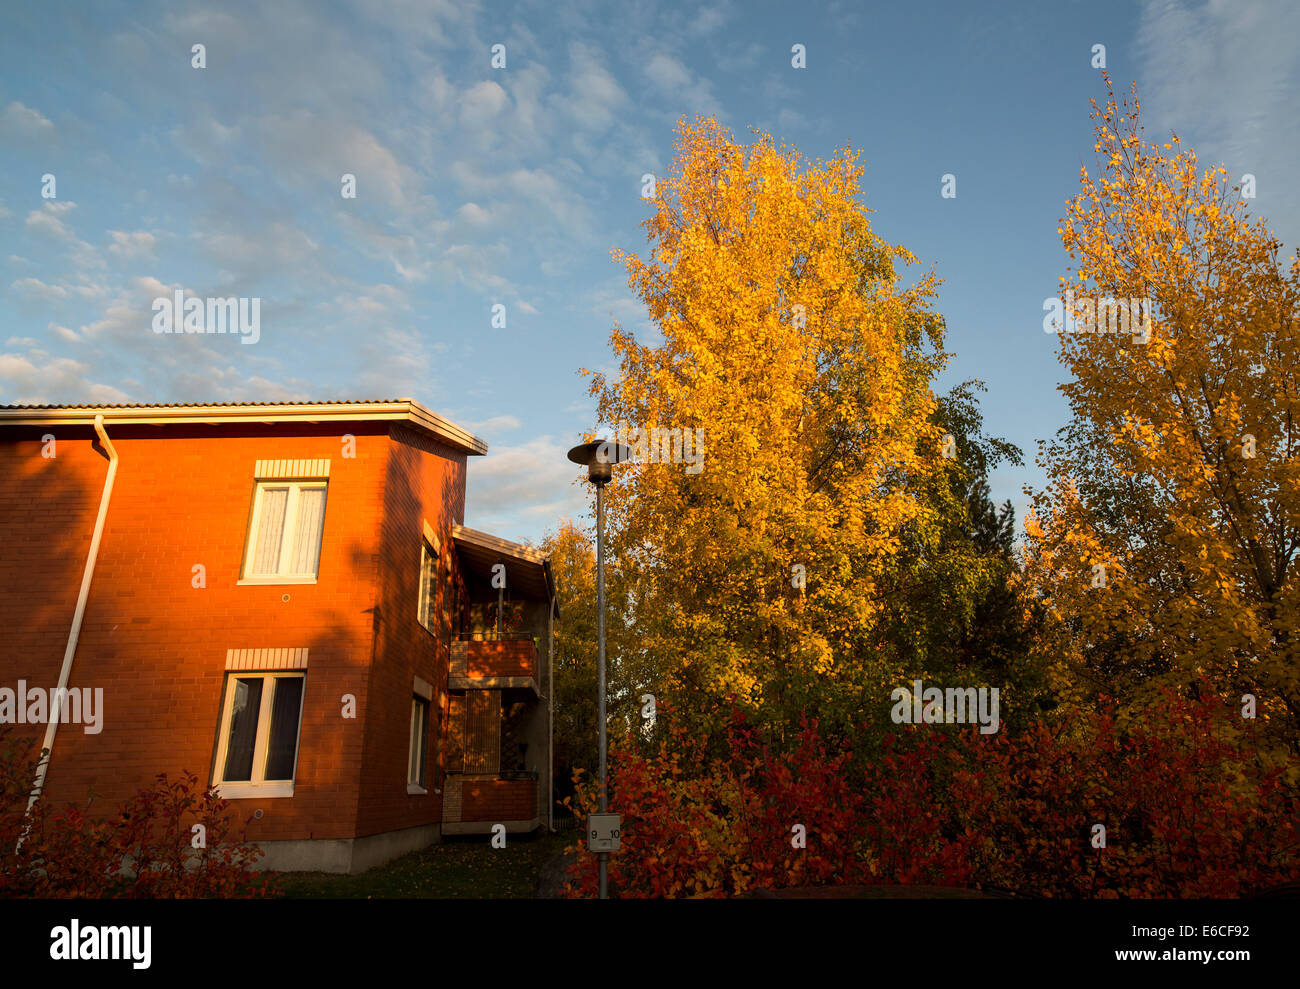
603 832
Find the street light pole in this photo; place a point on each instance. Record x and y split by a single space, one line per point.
600 668
597 458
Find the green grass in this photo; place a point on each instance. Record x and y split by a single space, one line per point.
461 867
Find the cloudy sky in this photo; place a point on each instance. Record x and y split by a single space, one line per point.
479 186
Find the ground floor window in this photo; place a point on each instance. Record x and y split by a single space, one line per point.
257 748
415 772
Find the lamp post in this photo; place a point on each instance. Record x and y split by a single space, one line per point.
598 458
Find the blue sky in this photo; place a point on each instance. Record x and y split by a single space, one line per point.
478 186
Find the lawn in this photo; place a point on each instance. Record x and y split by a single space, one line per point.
461 867
467 867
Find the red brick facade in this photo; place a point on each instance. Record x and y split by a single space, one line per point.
158 645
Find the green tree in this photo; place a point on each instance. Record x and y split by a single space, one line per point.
800 569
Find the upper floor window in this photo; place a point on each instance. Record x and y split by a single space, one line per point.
284 538
428 584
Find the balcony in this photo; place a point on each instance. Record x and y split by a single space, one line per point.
483 662
473 803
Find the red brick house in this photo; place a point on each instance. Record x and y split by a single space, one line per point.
283 599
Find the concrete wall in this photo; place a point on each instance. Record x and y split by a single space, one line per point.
348 855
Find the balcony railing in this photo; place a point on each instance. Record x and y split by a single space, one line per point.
494 662
488 800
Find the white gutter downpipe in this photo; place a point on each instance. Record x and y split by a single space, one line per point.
550 716
65 674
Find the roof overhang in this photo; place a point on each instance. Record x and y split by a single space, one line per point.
224 413
528 571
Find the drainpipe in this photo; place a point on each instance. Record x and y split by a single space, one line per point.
53 726
550 716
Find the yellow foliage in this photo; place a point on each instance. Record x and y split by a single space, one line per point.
1153 479
788 341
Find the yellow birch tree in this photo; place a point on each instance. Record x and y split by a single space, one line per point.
1164 547
791 347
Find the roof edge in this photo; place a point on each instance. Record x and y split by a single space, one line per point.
486 540
526 554
224 413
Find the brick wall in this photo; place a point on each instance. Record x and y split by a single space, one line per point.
423 481
504 658
498 800
157 645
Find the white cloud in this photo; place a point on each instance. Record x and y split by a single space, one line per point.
139 243
46 220
742 58
496 424
246 252
1222 76
537 187
441 23
392 361
710 18
36 378
667 72
474 214
22 123
684 90
375 304
514 484
329 146
482 102
595 98
34 288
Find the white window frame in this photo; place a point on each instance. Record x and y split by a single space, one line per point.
290 526
413 784
258 786
424 608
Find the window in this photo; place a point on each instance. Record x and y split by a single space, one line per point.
257 749
452 604
415 771
428 584
284 537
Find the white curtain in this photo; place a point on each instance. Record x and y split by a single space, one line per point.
266 558
306 541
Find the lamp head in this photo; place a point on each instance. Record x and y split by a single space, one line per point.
599 457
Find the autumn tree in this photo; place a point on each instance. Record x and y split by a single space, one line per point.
573 563
954 597
1165 545
572 554
790 344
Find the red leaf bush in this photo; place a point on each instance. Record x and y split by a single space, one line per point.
146 850
1188 810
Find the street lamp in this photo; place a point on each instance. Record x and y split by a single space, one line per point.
599 458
